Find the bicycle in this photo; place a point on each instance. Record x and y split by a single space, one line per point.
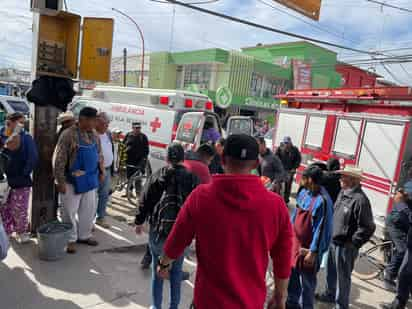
134 183
373 260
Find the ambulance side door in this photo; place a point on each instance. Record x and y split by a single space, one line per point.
190 130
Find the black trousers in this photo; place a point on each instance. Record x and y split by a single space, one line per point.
288 185
404 281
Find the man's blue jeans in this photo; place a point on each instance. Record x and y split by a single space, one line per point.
103 195
156 248
301 290
341 261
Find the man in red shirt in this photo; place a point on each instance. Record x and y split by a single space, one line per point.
198 162
237 223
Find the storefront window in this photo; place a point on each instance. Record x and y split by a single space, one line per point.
266 87
198 74
256 85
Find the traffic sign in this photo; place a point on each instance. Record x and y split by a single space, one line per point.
309 8
224 97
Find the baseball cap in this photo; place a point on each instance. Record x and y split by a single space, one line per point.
175 153
314 172
136 125
241 147
287 140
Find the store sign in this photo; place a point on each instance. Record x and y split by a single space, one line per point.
309 8
261 102
302 75
224 97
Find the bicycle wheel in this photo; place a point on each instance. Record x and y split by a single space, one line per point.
370 263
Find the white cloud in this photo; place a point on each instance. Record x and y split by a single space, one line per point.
365 25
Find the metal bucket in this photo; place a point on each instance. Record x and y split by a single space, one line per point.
53 239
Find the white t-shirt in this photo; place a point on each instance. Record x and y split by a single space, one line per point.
107 150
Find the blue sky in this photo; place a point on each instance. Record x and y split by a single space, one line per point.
355 23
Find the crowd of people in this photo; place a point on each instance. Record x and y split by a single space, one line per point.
210 196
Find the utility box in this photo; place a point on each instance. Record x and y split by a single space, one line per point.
46 7
97 44
58 45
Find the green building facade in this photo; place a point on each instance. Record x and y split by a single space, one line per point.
245 80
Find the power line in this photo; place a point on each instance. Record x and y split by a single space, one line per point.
252 24
390 6
304 21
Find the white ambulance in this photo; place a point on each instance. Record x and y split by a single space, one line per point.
158 110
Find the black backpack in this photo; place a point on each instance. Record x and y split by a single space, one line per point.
167 209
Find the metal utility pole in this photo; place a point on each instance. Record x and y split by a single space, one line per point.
44 132
124 67
141 36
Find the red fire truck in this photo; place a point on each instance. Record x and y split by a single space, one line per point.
367 127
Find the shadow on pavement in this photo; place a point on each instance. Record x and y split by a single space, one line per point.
80 278
21 291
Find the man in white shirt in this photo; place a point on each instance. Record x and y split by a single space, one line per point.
102 126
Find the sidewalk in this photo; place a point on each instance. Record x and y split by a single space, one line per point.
103 277
109 277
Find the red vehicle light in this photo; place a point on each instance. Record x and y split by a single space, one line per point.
209 105
189 103
164 100
174 132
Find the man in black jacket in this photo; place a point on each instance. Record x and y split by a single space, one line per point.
291 159
137 149
182 182
270 165
353 226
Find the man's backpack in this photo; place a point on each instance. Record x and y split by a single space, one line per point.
167 209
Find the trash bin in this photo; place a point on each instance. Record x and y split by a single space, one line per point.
53 239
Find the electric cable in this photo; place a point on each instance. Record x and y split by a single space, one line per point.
305 21
275 30
391 6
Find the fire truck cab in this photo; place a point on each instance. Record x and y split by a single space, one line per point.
368 127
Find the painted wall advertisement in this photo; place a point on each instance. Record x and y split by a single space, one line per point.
302 75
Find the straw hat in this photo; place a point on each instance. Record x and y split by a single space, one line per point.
64 117
351 170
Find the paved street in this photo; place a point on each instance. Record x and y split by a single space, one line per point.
107 277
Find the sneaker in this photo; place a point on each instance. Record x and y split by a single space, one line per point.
23 238
103 223
325 298
71 248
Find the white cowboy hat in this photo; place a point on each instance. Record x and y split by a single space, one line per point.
64 117
351 170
